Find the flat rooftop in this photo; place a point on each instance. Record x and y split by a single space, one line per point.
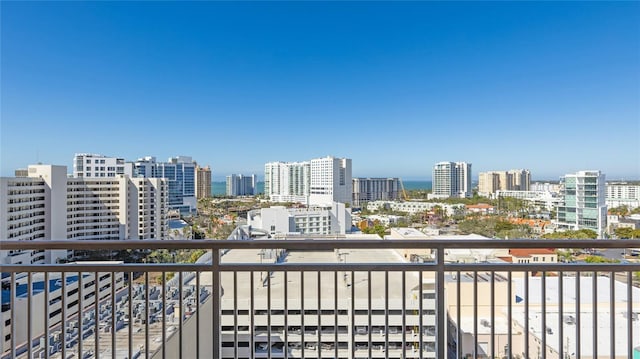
325 290
587 334
569 293
569 299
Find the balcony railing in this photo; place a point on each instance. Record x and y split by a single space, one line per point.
322 299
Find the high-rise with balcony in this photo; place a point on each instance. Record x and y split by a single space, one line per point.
287 181
50 205
375 189
451 179
584 205
180 174
623 194
320 181
513 180
98 166
203 182
240 185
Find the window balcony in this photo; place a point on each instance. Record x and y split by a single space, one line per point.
322 298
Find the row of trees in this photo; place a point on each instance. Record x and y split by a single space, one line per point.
624 211
579 234
494 227
627 233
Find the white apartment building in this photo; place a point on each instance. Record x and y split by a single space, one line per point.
584 203
512 180
98 166
331 181
623 194
240 185
148 214
72 292
50 205
315 220
320 181
287 181
413 207
23 215
546 187
375 189
538 199
180 173
451 179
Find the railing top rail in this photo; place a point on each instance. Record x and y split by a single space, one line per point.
312 267
318 244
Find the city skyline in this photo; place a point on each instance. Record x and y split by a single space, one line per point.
551 87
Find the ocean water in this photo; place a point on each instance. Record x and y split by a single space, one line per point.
411 185
220 188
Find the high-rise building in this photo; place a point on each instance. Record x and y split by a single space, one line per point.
99 166
180 174
513 180
331 181
451 179
623 194
240 185
179 171
287 181
375 189
584 205
320 181
50 205
203 182
488 183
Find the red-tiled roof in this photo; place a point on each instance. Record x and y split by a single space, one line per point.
528 252
479 206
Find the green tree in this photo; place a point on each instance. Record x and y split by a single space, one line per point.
579 234
599 259
627 233
620 211
378 229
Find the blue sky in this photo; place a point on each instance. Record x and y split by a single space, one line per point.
549 86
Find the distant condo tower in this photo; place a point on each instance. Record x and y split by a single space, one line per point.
240 185
180 174
375 189
584 205
513 180
317 182
203 182
451 179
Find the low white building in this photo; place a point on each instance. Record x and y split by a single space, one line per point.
413 207
313 220
538 199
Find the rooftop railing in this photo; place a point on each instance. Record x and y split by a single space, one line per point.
323 298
